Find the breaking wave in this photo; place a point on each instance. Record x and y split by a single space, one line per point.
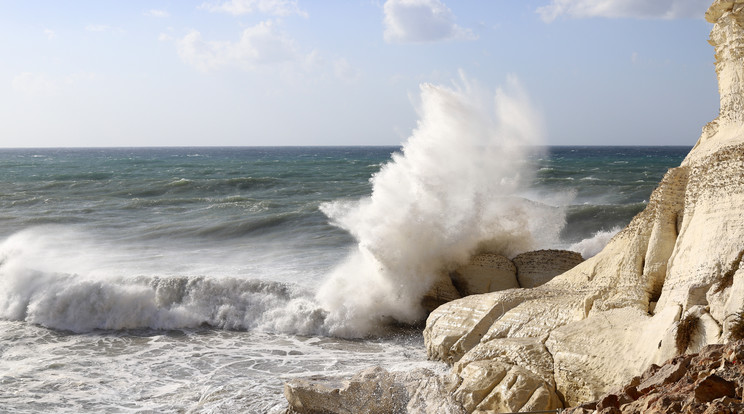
43 281
453 190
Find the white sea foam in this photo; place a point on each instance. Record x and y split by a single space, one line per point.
589 247
54 277
452 191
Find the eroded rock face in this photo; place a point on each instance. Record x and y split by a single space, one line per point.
538 267
487 272
668 284
441 292
490 272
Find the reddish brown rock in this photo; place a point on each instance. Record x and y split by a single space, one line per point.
710 382
714 387
665 375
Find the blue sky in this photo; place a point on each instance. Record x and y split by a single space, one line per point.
344 72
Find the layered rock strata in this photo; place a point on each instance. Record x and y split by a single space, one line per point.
611 317
487 272
539 267
491 272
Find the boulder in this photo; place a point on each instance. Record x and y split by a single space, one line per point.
486 272
537 267
441 292
374 390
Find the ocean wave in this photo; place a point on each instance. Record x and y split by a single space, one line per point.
199 187
44 280
75 303
584 220
451 191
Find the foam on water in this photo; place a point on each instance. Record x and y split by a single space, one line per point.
452 191
54 277
199 370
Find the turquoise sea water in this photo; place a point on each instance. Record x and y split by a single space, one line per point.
183 279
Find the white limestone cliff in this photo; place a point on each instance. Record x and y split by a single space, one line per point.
604 321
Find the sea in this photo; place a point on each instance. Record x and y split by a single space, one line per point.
189 280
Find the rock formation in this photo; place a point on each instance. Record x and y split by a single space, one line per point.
373 390
710 382
676 265
539 267
485 273
491 272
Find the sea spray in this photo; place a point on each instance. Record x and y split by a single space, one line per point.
590 246
453 190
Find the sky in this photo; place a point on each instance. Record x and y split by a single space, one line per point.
344 72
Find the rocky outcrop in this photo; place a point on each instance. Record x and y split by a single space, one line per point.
487 272
491 272
441 292
374 390
668 284
709 382
538 267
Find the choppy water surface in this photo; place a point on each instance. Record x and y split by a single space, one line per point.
184 279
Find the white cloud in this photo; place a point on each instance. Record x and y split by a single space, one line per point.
272 7
33 84
414 21
49 33
164 37
345 71
643 9
258 45
157 13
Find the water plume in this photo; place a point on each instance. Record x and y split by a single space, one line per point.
453 190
